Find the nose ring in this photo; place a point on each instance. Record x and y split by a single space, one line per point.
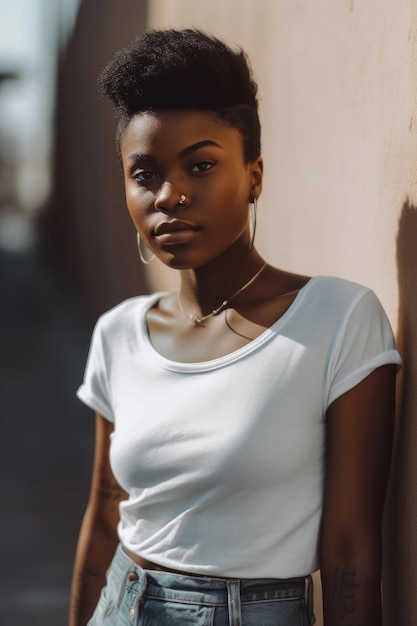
182 200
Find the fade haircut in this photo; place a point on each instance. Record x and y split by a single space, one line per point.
184 70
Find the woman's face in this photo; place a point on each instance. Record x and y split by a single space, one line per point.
188 153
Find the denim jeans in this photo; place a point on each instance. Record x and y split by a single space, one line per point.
137 597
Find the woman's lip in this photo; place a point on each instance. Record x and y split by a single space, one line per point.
173 227
174 237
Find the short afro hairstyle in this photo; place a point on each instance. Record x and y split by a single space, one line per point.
184 70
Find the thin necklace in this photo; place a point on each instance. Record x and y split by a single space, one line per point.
198 321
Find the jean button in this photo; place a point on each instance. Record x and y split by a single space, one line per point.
132 577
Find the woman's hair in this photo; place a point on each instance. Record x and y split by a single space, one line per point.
184 70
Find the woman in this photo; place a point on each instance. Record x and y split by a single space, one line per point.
250 414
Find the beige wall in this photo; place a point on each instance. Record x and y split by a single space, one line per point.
338 88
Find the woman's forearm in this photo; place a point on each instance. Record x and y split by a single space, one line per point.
352 591
94 552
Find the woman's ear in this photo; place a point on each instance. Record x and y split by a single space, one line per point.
256 169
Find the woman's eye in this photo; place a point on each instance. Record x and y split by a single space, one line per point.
203 166
143 176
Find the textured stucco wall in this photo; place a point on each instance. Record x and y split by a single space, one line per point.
338 88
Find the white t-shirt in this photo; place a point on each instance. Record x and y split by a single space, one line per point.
223 460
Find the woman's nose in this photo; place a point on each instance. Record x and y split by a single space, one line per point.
169 198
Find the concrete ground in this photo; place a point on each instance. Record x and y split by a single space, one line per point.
46 437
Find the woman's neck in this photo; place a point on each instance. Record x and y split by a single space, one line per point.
207 288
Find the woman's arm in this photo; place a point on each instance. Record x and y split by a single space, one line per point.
98 538
359 440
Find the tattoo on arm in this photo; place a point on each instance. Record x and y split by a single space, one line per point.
81 605
109 490
346 588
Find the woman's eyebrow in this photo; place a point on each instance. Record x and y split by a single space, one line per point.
196 146
135 156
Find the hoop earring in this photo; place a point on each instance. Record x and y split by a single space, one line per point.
142 258
253 207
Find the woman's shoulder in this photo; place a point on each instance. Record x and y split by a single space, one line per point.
290 281
127 312
336 286
341 297
323 288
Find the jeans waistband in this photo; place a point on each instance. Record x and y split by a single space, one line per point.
206 590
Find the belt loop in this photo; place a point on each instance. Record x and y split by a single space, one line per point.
310 597
122 587
135 608
233 602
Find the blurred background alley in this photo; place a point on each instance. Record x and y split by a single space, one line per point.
50 294
47 438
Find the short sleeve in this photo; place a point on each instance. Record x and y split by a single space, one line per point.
94 391
364 342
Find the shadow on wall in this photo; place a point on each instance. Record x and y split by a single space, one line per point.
87 225
400 568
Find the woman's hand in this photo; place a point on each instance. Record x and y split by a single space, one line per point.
359 441
98 537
